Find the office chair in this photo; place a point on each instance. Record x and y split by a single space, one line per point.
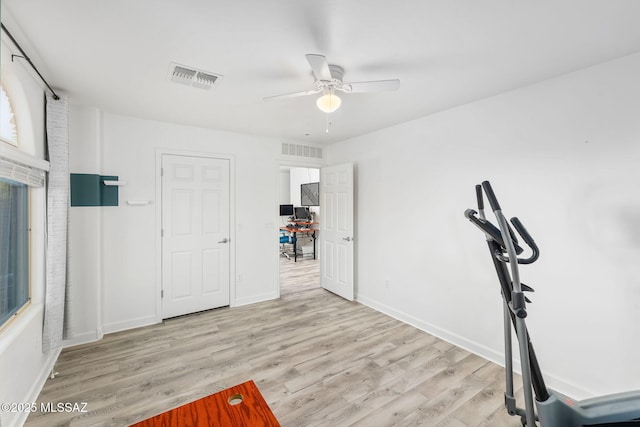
285 239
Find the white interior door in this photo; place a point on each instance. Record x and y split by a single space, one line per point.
336 229
195 234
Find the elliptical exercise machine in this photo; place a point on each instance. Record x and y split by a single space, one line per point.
553 408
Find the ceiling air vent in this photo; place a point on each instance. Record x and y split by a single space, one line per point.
193 77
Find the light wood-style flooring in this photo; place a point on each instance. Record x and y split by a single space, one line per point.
300 276
317 359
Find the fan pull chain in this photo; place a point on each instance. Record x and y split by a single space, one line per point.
328 123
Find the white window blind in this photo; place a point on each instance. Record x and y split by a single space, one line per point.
23 168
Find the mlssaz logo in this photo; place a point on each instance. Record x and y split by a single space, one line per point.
63 407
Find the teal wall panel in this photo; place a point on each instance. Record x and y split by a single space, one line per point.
89 190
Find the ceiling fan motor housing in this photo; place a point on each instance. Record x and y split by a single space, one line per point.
337 72
336 79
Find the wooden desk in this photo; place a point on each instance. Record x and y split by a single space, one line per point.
295 221
299 229
239 406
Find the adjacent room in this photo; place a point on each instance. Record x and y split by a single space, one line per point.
299 227
277 200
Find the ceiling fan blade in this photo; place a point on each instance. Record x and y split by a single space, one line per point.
372 86
291 95
319 66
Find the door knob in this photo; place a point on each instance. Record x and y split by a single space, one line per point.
348 239
225 240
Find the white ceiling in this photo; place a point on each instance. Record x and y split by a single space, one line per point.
115 54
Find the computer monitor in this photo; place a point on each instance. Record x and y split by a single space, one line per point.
302 213
286 210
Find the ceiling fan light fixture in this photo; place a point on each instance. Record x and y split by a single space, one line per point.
329 102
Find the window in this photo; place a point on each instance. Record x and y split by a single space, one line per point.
18 171
8 131
14 247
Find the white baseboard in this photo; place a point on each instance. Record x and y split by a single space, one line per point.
553 381
109 328
36 387
255 299
443 334
83 338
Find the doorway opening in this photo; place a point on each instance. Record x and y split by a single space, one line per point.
299 258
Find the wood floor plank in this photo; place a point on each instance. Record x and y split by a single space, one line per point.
440 407
317 359
483 404
394 411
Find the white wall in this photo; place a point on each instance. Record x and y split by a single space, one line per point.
118 247
562 155
23 365
285 186
84 322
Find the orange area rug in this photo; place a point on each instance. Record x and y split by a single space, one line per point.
238 406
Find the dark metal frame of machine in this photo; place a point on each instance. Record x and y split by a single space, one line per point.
553 408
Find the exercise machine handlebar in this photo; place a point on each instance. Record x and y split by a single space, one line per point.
493 231
480 198
493 201
522 231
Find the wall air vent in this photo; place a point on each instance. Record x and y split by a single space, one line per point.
193 77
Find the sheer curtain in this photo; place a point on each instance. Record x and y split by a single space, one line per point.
57 125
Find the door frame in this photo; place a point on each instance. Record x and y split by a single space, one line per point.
158 226
292 163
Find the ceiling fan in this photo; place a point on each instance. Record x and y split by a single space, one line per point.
328 80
